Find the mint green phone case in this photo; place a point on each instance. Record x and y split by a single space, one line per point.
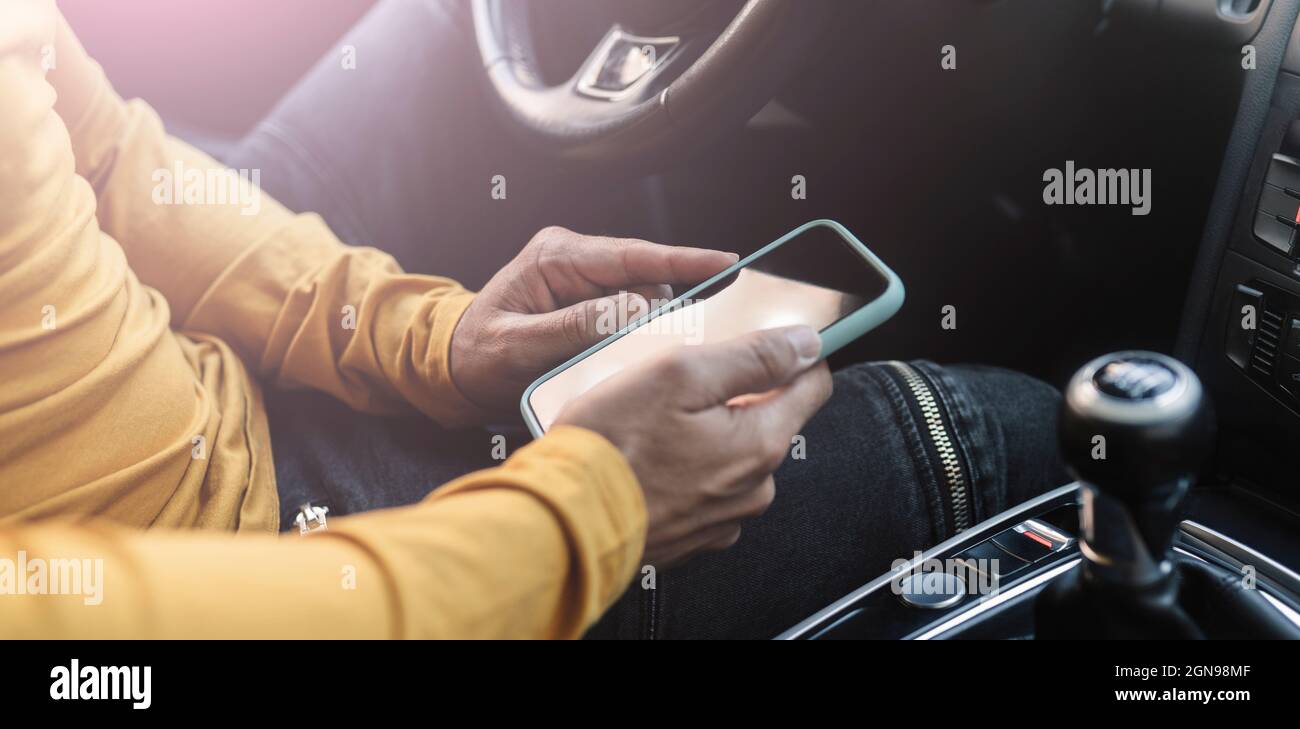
833 337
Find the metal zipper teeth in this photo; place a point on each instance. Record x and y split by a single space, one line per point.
649 612
943 442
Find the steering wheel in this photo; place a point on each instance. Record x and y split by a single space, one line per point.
667 76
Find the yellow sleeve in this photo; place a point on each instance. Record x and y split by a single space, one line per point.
536 548
301 308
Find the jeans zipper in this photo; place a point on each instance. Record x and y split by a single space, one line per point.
649 611
941 439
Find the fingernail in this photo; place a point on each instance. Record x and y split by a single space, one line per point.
806 342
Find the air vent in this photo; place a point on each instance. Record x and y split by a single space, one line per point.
1267 343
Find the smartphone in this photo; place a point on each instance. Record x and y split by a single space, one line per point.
818 274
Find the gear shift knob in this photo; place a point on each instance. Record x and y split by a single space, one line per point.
1135 429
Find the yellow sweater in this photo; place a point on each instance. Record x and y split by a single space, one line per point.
130 315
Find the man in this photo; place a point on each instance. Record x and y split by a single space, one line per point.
142 337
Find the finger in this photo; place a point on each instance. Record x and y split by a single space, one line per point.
725 540
753 501
710 375
788 409
625 262
713 538
570 330
656 294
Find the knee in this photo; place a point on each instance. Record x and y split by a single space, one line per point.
1005 420
1011 395
1023 412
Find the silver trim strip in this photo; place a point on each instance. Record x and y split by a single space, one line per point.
988 603
1219 541
1282 607
991 602
811 622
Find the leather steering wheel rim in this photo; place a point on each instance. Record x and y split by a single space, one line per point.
713 88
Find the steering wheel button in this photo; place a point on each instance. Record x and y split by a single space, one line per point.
627 63
621 62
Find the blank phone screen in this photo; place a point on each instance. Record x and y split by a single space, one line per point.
816 278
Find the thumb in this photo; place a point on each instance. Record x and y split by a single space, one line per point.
574 328
749 364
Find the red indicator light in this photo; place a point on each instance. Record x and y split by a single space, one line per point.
1041 540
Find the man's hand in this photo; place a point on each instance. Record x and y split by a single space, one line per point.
704 429
563 293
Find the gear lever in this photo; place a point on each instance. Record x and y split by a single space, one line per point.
1135 429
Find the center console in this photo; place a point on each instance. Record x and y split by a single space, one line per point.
1107 557
882 609
980 558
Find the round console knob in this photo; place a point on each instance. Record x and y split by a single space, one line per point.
931 590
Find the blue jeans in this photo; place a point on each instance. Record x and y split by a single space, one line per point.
398 153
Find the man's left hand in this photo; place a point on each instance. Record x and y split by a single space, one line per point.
563 293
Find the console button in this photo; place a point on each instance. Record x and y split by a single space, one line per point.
988 558
932 590
1243 323
1031 541
1276 202
1288 374
1274 233
1283 172
1291 341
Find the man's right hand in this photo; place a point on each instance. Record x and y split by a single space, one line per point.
704 428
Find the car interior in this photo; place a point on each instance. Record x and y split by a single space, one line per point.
927 128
